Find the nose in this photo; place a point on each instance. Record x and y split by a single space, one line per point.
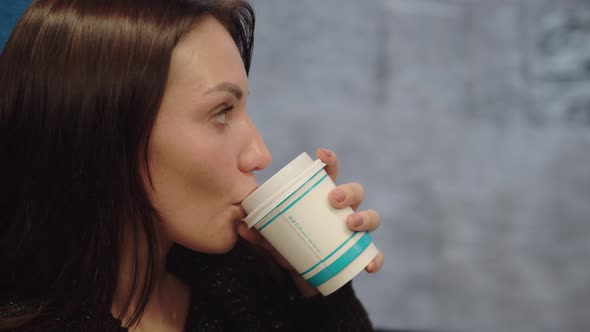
255 155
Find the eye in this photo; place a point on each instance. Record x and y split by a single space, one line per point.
221 116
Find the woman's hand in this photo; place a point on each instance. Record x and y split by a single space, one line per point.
346 195
351 195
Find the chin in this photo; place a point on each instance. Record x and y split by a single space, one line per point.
226 246
220 245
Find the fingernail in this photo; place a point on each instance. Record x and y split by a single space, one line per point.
339 195
357 220
328 153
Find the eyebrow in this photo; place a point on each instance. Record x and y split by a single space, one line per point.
227 87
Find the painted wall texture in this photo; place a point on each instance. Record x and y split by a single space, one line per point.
468 123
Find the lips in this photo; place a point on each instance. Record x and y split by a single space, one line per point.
248 194
253 190
238 205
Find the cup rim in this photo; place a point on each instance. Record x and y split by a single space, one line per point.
280 195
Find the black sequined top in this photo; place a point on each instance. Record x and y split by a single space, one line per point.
239 291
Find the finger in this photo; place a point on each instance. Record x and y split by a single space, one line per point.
247 234
376 263
366 220
253 236
350 194
329 158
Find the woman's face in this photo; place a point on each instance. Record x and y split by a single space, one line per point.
204 148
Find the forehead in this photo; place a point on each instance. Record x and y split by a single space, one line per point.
205 56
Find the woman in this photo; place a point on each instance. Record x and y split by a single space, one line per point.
126 153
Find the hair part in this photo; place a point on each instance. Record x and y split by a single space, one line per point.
82 82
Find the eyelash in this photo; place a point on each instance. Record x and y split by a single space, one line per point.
224 112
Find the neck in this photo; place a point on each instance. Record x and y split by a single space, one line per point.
162 307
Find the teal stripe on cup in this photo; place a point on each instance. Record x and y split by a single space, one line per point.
342 262
330 255
295 201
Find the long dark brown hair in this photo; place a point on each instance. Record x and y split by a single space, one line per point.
81 82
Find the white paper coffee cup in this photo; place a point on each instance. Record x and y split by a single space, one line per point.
291 210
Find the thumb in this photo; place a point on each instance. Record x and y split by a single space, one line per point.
253 236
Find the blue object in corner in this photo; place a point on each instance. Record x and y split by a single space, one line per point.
10 12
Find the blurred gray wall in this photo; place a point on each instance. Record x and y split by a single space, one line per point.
468 122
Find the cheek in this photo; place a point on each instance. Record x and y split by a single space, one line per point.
211 170
194 173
